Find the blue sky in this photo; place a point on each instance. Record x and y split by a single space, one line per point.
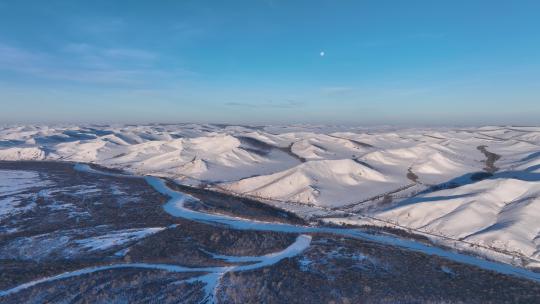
385 62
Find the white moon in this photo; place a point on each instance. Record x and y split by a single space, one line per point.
322 54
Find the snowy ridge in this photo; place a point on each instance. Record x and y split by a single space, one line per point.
324 183
499 213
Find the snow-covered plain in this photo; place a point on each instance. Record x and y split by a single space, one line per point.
432 180
13 185
65 244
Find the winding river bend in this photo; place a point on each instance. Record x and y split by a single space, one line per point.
210 276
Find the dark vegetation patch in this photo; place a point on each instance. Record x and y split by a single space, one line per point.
191 244
115 286
112 204
352 271
491 158
117 203
137 206
411 175
400 232
14 272
216 202
397 232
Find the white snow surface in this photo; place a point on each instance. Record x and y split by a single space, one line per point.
17 181
13 185
500 213
321 182
311 169
116 238
68 245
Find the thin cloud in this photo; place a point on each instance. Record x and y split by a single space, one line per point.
18 60
336 90
87 63
88 50
409 38
267 104
102 25
187 31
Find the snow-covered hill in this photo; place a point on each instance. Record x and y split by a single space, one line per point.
327 183
502 211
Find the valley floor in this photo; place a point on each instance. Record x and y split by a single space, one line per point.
78 233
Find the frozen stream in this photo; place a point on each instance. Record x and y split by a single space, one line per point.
210 278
